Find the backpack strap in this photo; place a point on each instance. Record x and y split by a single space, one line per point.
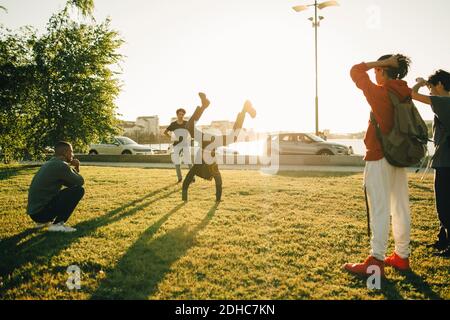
374 122
394 99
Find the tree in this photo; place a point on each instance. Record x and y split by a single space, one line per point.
19 96
79 88
59 86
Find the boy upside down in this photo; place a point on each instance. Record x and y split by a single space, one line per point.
208 168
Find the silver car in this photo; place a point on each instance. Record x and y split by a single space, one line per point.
305 144
120 145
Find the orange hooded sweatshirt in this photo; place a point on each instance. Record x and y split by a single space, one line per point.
381 105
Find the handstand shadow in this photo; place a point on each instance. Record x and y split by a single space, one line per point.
138 273
42 247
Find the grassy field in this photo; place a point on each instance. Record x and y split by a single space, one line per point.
273 237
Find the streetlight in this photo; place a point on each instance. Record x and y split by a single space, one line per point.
316 23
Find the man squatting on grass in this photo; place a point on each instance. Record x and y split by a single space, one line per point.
439 85
180 123
386 185
208 168
47 203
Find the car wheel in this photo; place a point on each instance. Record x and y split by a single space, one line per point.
126 152
325 152
93 153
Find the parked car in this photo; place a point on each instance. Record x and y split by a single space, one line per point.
219 150
120 145
226 151
305 144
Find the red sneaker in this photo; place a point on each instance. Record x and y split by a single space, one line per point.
361 268
395 261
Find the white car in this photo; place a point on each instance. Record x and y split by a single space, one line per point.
120 145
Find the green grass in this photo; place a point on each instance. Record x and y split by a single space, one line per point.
273 237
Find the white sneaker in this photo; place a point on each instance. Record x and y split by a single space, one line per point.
60 227
41 225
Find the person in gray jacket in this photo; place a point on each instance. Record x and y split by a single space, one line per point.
48 204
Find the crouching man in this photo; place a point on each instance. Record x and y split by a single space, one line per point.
47 203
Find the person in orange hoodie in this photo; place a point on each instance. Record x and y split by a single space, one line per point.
386 185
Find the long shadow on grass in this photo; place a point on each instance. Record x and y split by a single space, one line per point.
388 288
421 286
145 264
390 291
421 187
41 248
9 172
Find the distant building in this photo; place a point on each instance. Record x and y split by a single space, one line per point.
130 127
150 124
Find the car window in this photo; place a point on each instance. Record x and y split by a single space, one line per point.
315 138
286 138
108 141
125 141
306 139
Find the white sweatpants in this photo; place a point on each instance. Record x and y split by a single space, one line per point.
387 192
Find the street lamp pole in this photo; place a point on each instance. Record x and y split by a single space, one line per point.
316 24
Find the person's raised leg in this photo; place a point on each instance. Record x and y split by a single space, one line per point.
190 126
238 123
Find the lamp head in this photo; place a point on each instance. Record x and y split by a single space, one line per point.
300 8
326 4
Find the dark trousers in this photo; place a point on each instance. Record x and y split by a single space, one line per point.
210 171
61 207
442 193
202 170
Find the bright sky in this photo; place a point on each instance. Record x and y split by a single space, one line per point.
259 50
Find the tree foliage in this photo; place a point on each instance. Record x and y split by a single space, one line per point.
85 6
58 86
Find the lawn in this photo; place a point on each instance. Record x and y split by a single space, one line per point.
273 237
